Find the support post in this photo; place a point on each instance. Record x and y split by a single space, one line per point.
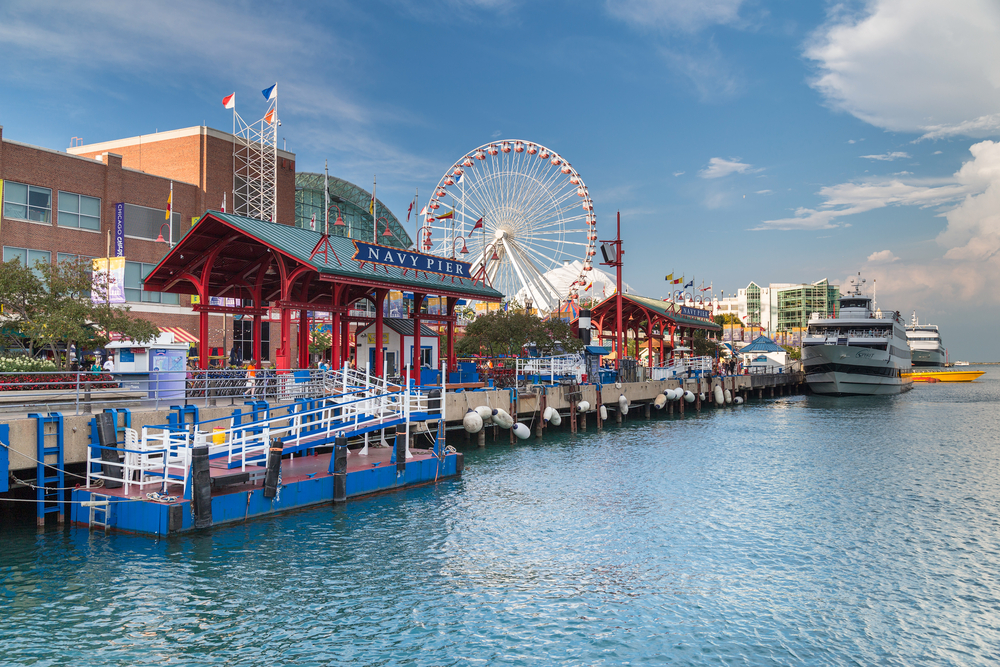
380 295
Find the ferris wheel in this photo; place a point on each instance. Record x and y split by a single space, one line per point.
515 210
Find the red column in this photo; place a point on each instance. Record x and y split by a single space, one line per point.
303 339
283 362
203 335
418 303
452 359
380 295
345 339
649 341
673 328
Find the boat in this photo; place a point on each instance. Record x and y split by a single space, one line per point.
925 343
961 363
862 351
942 375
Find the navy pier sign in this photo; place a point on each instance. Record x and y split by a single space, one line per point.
695 312
405 259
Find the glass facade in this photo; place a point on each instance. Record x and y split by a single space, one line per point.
352 203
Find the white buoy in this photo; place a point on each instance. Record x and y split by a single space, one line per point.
702 396
660 401
604 413
738 400
552 416
729 396
688 397
583 406
503 419
678 394
521 431
472 422
623 404
485 413
720 398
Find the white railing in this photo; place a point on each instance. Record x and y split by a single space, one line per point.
552 368
682 367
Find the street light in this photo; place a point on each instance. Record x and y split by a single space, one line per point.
527 305
386 232
170 234
463 251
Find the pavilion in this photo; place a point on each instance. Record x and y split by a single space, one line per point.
295 271
649 321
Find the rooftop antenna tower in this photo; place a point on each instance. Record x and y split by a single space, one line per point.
255 162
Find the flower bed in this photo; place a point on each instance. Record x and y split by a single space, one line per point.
55 381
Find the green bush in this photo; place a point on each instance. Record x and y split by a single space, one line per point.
22 364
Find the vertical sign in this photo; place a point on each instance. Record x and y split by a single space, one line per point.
1 198
120 230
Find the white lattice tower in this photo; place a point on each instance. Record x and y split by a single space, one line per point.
255 165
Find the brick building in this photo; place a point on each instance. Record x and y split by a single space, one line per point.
60 205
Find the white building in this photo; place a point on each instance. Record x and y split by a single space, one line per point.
397 339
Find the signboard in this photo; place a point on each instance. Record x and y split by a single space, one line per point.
695 312
108 286
120 230
385 338
126 356
404 259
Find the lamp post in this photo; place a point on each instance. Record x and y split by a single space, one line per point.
527 305
387 231
454 244
170 234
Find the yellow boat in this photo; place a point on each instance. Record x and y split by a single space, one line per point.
938 375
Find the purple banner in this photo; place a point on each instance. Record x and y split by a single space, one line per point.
119 230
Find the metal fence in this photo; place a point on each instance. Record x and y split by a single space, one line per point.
85 392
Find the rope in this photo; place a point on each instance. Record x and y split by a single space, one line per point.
68 502
48 465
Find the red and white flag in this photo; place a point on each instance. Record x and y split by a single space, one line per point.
423 211
229 101
478 225
408 211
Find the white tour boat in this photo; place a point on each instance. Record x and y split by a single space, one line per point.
925 343
862 351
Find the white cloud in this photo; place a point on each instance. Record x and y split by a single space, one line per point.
920 66
882 257
888 157
719 167
675 15
679 173
763 192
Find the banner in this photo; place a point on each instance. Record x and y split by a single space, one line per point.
1 199
108 286
405 259
120 230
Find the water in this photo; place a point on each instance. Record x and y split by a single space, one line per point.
802 530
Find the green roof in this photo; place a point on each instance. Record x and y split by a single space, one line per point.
299 243
352 202
667 309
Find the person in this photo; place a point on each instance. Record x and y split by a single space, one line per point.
235 356
109 365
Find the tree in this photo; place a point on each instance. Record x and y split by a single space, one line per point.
508 332
51 305
702 345
319 342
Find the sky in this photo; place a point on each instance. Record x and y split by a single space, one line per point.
740 140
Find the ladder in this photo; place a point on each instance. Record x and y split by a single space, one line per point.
100 511
49 486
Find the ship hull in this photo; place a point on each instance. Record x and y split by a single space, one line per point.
928 357
843 370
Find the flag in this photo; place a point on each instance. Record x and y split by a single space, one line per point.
408 211
270 93
459 181
589 285
312 222
706 288
224 196
478 225
447 216
678 281
170 199
690 284
423 211
229 101
269 117
371 205
670 276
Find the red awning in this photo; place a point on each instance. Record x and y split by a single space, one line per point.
180 335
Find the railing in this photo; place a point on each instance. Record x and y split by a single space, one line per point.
551 368
685 367
85 391
850 333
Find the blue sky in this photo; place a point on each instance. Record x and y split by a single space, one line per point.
773 141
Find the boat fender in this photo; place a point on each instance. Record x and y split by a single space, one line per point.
583 406
738 400
660 401
201 482
702 396
272 471
552 416
604 413
472 422
623 404
729 396
688 397
485 413
720 398
503 419
521 431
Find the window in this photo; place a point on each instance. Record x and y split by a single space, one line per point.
27 257
142 222
135 273
27 202
243 338
79 211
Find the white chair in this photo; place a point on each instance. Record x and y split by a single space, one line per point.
144 464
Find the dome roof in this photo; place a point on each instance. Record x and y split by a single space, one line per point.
353 203
602 284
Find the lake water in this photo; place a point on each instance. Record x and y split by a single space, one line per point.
792 531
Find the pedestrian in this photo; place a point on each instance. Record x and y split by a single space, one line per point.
109 364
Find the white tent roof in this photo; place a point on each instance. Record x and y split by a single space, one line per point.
601 284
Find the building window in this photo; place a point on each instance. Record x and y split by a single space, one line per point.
79 211
243 339
142 222
28 257
135 273
27 202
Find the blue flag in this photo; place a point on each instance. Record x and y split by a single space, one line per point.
690 284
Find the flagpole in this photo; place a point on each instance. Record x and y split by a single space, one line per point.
416 218
326 196
170 217
374 217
